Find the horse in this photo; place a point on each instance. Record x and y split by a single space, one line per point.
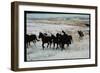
45 39
60 40
80 33
55 40
30 38
65 39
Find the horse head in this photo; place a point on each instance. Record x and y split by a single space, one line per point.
63 32
40 35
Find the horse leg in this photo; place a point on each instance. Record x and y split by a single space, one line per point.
43 46
57 46
53 45
50 45
47 45
34 42
62 46
29 44
67 45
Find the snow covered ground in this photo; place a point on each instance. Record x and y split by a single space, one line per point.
78 49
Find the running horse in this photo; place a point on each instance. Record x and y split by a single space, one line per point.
30 38
45 39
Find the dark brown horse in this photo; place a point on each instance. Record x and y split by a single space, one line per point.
30 38
61 40
65 39
80 33
45 39
56 40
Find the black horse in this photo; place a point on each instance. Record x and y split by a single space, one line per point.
65 39
80 33
45 39
56 40
61 40
30 38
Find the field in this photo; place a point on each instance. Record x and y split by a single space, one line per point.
79 49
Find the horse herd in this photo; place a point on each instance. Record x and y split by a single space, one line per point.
60 40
